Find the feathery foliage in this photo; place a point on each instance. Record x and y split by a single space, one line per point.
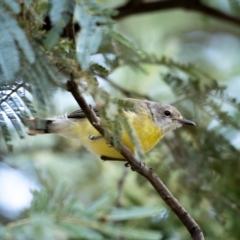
41 44
66 217
16 106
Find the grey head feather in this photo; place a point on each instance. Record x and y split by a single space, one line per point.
165 116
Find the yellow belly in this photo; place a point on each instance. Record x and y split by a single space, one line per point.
148 135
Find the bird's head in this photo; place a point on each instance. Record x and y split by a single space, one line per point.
167 117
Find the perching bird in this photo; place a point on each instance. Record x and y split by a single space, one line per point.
150 121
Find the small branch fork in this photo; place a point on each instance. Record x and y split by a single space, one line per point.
137 166
133 7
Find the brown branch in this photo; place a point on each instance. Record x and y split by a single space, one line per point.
143 170
139 7
134 7
93 119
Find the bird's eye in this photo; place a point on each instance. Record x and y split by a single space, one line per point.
167 113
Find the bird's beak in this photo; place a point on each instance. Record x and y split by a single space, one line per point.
186 122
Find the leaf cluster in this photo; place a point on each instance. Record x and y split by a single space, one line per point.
203 161
57 213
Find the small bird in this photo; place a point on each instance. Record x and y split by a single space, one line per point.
150 121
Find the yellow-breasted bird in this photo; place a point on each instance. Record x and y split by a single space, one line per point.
150 121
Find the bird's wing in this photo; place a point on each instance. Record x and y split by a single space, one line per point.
80 114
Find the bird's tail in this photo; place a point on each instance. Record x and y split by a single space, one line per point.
60 125
38 126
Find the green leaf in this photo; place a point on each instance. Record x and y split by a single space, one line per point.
119 214
9 65
128 43
60 15
5 130
12 25
127 232
76 231
13 118
15 106
12 37
90 36
101 202
57 9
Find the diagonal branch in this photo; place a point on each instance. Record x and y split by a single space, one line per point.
143 170
139 7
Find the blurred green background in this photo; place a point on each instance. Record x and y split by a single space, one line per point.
199 166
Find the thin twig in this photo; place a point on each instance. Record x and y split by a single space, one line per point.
119 196
120 188
143 170
127 93
134 7
5 97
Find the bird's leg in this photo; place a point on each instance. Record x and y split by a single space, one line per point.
127 164
91 137
106 158
142 164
